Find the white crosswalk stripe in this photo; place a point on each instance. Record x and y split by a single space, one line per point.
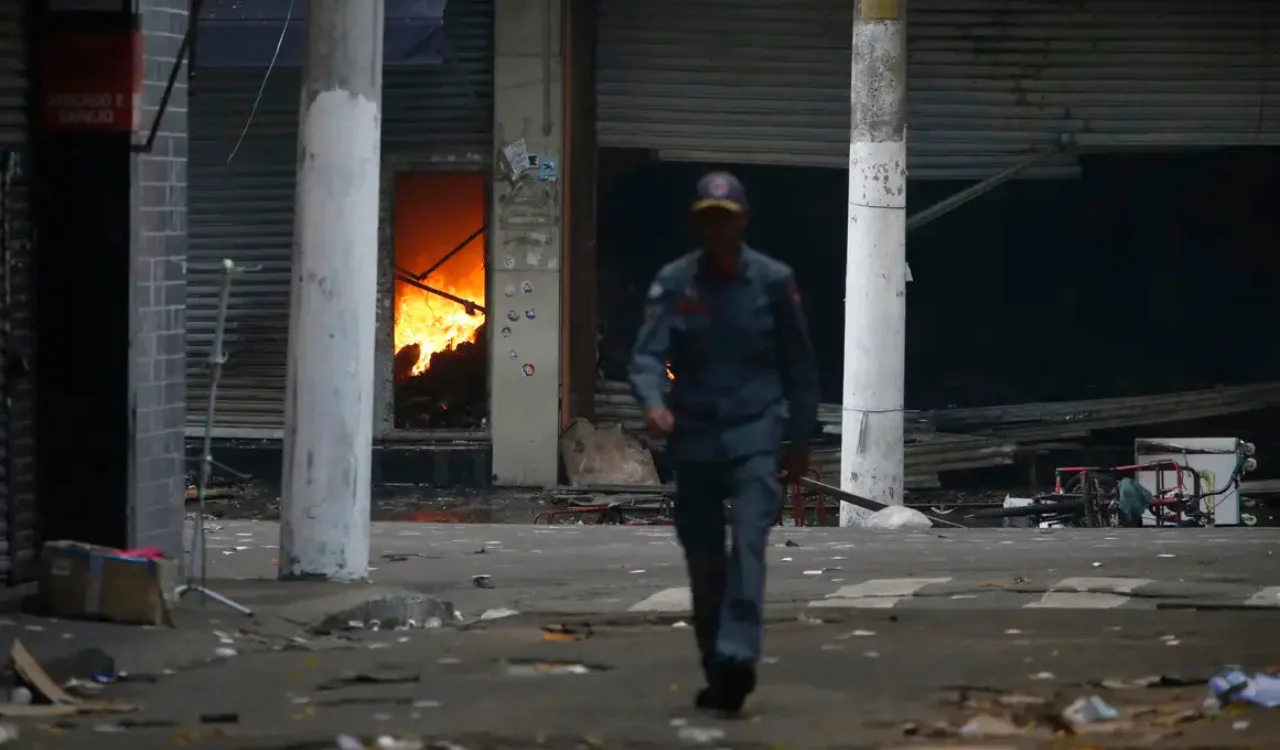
877 593
1089 593
678 599
945 592
1268 597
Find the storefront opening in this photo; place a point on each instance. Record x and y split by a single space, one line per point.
439 245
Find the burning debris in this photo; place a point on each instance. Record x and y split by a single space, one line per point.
452 393
441 360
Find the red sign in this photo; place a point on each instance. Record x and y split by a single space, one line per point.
91 81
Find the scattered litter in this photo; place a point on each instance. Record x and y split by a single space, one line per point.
1091 710
861 633
1239 726
498 613
482 581
402 556
548 668
1018 700
1044 676
786 559
21 696
426 704
347 742
990 726
1097 565
561 633
679 624
407 611
699 735
634 572
1013 631
8 733
896 518
221 718
60 702
1150 681
1166 555
1234 686
387 742
224 652
791 543
1170 640
108 728
351 679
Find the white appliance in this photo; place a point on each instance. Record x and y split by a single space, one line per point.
1214 458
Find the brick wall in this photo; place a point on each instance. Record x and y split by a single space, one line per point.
159 261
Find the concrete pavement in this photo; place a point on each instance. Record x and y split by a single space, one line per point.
610 569
876 640
879 680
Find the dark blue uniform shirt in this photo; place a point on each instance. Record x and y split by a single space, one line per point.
739 351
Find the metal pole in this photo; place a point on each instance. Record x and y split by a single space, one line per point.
871 459
328 438
198 559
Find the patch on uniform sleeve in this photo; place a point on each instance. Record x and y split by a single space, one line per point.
655 291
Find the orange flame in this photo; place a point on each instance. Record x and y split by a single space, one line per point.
434 213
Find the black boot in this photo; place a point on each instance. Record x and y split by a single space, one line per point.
729 683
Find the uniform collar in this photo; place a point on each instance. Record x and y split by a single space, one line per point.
740 273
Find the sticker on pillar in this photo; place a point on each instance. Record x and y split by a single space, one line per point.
513 316
512 354
547 169
528 370
530 314
509 291
526 287
506 332
516 154
531 162
509 262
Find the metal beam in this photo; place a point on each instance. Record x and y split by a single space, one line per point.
976 190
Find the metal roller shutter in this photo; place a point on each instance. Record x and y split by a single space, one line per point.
17 485
991 81
243 208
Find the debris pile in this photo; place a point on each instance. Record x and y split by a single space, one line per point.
948 440
1153 709
450 394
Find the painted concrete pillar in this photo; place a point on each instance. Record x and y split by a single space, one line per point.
525 254
328 439
871 446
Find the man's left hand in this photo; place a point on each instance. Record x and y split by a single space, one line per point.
795 463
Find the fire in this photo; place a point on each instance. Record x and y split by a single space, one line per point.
439 220
434 323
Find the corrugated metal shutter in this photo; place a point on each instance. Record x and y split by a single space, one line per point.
243 209
17 396
991 81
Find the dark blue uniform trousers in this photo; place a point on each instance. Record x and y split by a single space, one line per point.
728 590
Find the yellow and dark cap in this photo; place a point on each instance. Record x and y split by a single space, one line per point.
721 190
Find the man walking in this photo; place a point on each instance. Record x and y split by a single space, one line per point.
729 322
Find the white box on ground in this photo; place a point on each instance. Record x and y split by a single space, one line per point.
1214 458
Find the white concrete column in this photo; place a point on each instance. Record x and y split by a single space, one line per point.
324 530
871 459
525 250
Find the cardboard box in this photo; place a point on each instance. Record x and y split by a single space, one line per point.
96 583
